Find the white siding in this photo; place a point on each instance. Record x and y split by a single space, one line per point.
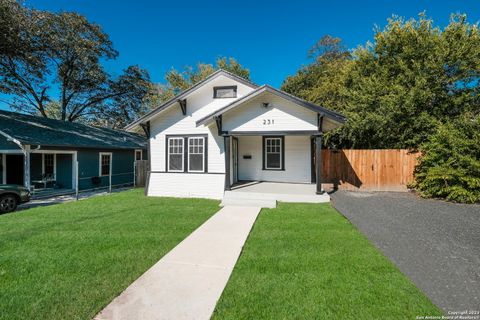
199 104
286 115
297 160
283 115
186 185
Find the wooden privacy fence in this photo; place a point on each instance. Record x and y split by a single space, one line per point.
369 170
141 169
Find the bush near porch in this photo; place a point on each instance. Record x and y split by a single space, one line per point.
68 261
306 261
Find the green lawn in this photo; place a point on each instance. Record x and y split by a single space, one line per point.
306 261
68 261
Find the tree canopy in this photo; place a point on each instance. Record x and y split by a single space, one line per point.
396 90
51 64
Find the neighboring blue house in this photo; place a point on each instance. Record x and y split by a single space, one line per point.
43 154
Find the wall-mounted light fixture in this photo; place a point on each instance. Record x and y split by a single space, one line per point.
265 104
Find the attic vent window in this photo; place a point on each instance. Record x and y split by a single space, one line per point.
225 92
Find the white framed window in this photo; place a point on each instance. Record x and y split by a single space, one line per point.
273 153
138 155
105 163
196 154
175 154
49 164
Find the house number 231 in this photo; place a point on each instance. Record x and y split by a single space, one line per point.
267 122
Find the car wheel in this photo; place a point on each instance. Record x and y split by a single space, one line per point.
8 203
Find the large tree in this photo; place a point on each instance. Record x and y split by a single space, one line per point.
177 81
54 60
323 81
399 88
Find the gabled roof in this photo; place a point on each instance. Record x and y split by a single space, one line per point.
335 116
186 92
33 130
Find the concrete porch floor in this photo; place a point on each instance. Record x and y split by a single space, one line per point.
266 194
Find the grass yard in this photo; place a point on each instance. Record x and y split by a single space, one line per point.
306 261
68 261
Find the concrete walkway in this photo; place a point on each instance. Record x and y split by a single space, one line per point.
188 281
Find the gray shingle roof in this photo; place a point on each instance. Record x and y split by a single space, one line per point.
35 130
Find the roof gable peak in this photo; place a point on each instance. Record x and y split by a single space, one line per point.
183 94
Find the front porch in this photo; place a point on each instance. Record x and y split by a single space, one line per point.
46 173
263 169
266 194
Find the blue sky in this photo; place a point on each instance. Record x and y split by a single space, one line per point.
271 38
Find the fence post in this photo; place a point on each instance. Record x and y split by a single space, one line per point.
76 180
110 182
134 173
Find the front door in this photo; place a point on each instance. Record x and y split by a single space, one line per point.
235 159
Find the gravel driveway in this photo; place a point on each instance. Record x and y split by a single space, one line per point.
435 243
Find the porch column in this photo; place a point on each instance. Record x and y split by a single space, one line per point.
26 167
318 163
4 167
227 140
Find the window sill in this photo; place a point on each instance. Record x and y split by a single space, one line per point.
267 169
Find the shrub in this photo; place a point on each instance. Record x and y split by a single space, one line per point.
449 167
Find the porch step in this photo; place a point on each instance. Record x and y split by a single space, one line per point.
266 195
248 199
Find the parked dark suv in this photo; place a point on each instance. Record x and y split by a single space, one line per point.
11 196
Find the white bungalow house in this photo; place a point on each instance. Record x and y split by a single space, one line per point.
225 131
